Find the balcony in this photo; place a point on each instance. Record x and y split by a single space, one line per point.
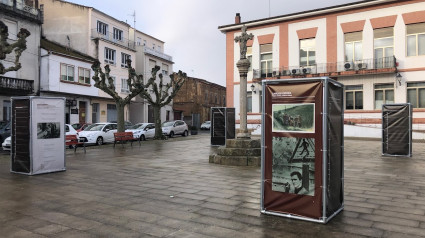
155 53
14 86
109 37
361 67
23 8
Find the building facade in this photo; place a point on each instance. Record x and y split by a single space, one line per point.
98 35
150 53
375 48
194 100
17 14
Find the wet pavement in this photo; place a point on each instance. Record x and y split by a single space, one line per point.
168 189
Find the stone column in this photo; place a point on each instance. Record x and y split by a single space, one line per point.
243 66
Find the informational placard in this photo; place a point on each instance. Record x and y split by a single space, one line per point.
41 120
302 136
222 125
397 129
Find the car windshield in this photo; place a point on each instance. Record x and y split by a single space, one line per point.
75 126
168 123
95 127
207 122
139 126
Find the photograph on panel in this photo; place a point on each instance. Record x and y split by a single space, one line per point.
293 165
293 117
48 130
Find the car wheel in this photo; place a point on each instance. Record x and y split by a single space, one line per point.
99 141
185 133
142 137
171 134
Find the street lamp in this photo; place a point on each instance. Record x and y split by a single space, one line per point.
253 88
398 78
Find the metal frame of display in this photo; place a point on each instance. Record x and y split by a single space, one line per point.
409 154
323 219
31 136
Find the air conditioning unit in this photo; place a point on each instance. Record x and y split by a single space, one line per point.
362 65
349 66
305 70
276 73
295 71
286 72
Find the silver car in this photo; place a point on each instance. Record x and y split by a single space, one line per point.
178 127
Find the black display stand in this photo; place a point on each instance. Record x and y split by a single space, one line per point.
397 129
222 125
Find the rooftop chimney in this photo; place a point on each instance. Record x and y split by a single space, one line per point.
238 18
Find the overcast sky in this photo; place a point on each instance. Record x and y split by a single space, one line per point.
189 28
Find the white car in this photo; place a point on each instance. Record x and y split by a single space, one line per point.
7 143
206 125
143 131
69 130
171 128
98 133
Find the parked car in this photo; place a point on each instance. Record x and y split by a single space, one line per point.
206 125
143 131
98 133
127 124
80 127
171 128
7 143
5 131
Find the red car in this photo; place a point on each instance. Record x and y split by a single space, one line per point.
80 127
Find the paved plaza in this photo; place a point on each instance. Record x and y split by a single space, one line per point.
168 189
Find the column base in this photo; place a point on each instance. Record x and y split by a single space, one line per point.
242 134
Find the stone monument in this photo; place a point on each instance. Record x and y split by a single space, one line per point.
242 151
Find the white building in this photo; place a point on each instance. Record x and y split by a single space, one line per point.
375 48
17 14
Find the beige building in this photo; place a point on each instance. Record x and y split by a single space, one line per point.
94 33
150 53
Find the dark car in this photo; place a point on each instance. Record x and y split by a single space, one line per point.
5 131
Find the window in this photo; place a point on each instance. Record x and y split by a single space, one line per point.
102 28
167 115
117 34
84 75
353 46
139 41
266 60
384 47
353 97
249 56
307 52
67 72
124 86
248 101
152 64
164 69
416 94
415 34
384 94
124 58
109 56
153 46
206 97
159 48
144 42
95 113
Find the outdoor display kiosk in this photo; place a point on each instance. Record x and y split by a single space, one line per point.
222 125
397 129
38 135
302 149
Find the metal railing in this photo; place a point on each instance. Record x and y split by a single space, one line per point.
366 66
157 53
110 37
7 83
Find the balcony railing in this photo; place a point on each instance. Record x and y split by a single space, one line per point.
161 55
110 37
16 86
21 7
367 66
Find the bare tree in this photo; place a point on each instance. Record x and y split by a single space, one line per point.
105 82
161 94
6 48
